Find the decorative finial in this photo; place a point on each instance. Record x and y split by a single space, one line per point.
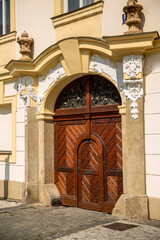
132 2
25 46
133 12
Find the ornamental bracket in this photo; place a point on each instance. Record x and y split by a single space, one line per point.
133 81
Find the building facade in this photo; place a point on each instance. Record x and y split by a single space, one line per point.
79 112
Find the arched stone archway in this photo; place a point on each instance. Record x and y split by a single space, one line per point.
52 71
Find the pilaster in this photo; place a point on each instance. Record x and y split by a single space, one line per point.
133 203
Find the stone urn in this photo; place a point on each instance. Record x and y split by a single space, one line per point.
133 12
25 46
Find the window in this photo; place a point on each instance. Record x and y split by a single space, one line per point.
5 128
71 5
4 16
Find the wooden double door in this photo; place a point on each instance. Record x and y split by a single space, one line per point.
88 146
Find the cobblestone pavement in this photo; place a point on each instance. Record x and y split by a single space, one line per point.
37 222
8 204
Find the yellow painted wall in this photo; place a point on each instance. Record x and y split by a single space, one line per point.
35 18
7 50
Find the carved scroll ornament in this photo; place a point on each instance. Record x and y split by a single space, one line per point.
21 86
133 91
53 76
133 88
132 65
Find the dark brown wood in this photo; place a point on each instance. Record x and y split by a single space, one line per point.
89 174
88 154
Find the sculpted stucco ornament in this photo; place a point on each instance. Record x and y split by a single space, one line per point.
21 86
133 91
105 65
132 65
133 88
53 76
99 64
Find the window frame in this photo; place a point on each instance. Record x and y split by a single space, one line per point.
66 5
61 6
12 22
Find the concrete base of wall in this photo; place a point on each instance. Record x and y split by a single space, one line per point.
12 189
154 208
31 193
49 194
130 206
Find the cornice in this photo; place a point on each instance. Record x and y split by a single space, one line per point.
115 47
52 54
131 44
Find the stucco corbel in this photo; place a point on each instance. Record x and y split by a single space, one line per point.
133 86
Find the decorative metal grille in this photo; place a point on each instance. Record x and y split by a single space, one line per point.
104 92
74 97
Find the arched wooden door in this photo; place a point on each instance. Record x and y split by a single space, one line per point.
88 146
90 174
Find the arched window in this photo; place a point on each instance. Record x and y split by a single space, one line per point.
88 94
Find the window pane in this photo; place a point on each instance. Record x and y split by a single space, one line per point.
7 16
87 2
73 5
0 17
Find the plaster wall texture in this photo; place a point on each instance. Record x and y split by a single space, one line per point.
16 171
34 18
112 17
152 126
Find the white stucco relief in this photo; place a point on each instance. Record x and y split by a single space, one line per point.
132 65
21 86
53 76
105 65
133 88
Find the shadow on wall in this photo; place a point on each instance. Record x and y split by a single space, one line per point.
143 19
7 171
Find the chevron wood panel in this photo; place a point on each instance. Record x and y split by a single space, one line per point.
67 134
109 130
65 183
90 189
89 178
119 145
89 157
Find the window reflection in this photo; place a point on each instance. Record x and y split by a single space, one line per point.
1 17
4 16
75 4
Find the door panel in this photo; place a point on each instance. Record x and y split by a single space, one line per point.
89 175
66 135
109 129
